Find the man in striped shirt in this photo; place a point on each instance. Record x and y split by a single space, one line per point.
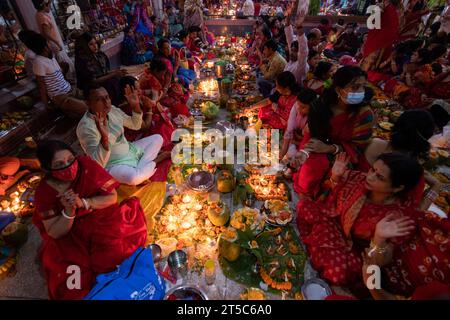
53 87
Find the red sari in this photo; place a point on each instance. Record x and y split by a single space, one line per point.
277 119
384 38
98 241
337 232
161 120
351 131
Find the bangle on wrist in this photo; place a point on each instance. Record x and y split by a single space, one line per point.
376 249
431 195
63 212
305 152
86 203
337 149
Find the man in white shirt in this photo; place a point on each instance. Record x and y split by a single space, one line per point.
248 8
101 135
53 87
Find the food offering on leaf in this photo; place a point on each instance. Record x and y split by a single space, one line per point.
248 219
282 259
253 294
268 187
277 212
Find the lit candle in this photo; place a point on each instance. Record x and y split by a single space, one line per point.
187 199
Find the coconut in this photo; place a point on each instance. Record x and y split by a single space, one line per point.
15 234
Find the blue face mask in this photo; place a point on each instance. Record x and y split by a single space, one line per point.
354 97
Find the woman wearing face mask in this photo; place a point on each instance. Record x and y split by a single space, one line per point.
80 221
276 113
338 231
340 121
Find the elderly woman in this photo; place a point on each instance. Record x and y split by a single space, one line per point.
80 221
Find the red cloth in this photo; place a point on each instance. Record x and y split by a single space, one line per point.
277 119
386 36
432 291
162 171
161 122
421 258
9 166
97 242
337 232
352 132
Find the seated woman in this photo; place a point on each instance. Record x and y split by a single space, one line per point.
321 79
410 136
338 231
340 121
184 54
412 262
313 60
152 122
276 113
186 76
440 85
297 123
410 91
130 54
92 66
80 221
154 83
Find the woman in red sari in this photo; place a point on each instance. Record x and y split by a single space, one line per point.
379 42
337 232
409 136
275 112
80 221
153 85
341 121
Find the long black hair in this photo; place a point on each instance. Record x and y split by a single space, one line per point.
323 67
321 112
404 171
411 132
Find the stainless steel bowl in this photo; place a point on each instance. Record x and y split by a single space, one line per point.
185 292
323 289
201 181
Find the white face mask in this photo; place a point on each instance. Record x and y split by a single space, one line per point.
354 97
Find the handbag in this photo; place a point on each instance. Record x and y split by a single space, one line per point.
135 279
